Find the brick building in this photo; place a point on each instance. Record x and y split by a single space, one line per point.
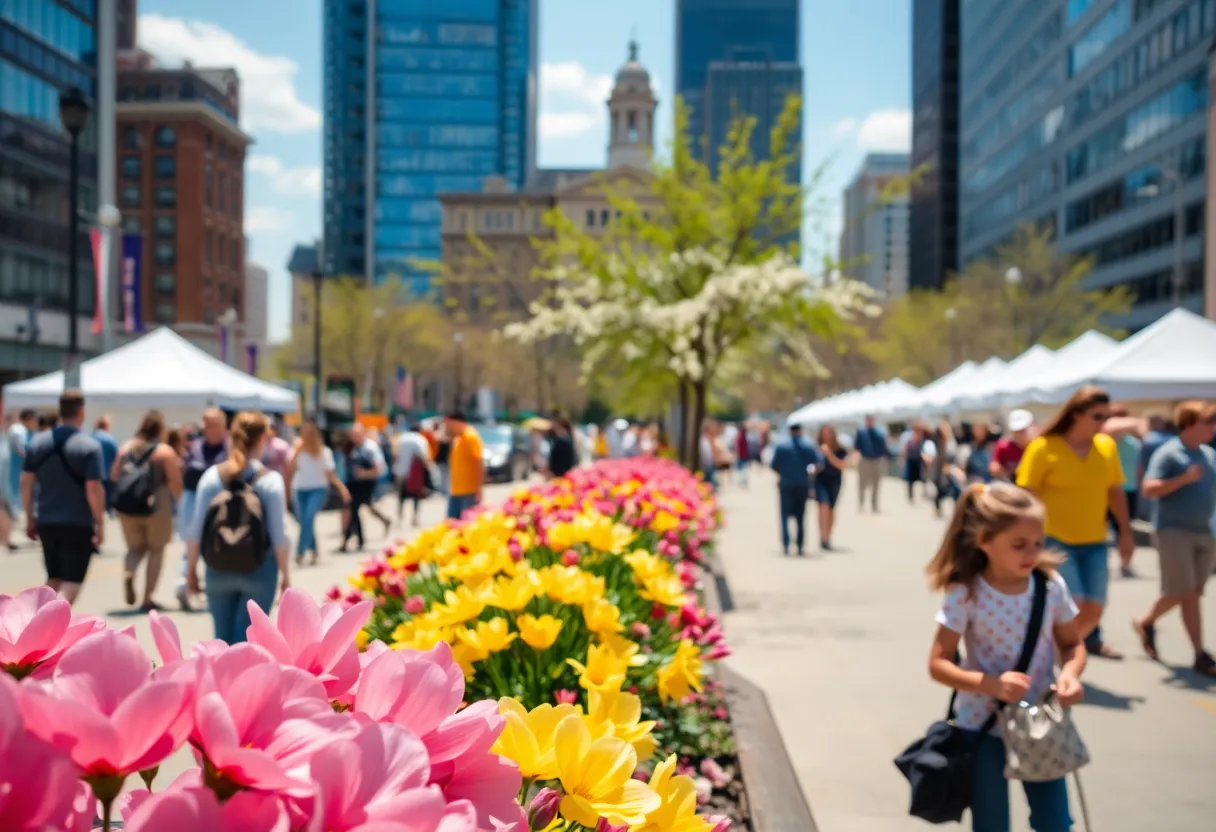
181 161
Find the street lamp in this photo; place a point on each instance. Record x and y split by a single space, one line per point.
458 340
951 314
1013 279
109 218
73 112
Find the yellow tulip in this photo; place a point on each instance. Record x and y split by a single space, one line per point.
489 636
597 778
619 714
603 669
677 809
646 566
623 648
362 638
602 616
528 737
682 675
511 594
665 589
663 522
538 633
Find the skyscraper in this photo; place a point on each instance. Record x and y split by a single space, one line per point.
874 239
1088 117
736 57
420 98
934 199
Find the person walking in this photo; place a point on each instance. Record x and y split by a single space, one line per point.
277 454
310 474
109 452
941 453
204 451
19 434
1074 469
911 445
364 467
975 459
412 472
989 568
467 465
871 446
147 477
1007 454
7 498
562 455
1181 476
829 478
796 461
1123 430
239 531
69 517
743 453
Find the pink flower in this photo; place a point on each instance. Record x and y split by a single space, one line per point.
717 776
318 640
721 823
197 809
720 713
570 557
605 826
353 598
38 783
415 604
379 775
566 697
334 593
169 643
640 630
105 710
36 627
543 809
418 690
720 651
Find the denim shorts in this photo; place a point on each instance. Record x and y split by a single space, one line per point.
1085 569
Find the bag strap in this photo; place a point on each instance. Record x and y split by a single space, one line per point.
57 450
143 458
1034 628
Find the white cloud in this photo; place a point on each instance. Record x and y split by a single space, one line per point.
844 128
886 130
269 100
268 218
299 181
573 101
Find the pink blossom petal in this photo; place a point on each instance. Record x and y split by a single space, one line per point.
263 634
42 632
144 720
470 732
164 634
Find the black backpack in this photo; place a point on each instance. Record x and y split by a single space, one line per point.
135 491
234 537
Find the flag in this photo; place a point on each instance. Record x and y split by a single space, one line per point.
132 277
403 398
100 240
251 359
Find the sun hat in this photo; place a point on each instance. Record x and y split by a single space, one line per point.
1020 420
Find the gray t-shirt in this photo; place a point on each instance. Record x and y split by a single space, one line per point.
61 491
1190 508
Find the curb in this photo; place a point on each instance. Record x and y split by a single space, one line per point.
774 796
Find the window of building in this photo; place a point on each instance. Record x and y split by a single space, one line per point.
130 223
166 166
166 254
235 205
208 315
222 194
130 196
130 167
166 312
234 256
209 185
131 138
166 225
605 215
166 137
166 283
207 243
166 196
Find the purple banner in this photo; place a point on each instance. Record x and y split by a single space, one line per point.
132 282
251 359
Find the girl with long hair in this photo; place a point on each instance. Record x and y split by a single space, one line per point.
828 480
311 472
229 592
1073 467
984 568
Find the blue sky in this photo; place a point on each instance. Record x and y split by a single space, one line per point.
855 56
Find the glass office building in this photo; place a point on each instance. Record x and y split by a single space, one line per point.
438 96
46 46
1089 116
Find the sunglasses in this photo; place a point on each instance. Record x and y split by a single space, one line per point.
1099 417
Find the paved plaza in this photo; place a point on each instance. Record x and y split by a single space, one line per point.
839 642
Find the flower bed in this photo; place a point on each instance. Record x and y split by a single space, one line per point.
577 595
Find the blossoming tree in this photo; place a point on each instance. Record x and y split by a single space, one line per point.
697 278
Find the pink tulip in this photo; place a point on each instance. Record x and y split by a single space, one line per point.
721 823
374 650
381 775
570 558
105 711
37 781
566 697
415 604
169 642
36 627
198 810
317 639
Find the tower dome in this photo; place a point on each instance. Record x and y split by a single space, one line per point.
631 109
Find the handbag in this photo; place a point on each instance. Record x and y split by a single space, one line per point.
940 766
1042 742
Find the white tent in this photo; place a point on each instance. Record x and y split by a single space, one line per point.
1173 359
853 406
161 370
985 393
1070 366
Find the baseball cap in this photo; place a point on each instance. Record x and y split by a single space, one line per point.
1020 420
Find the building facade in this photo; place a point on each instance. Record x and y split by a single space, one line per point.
933 220
874 237
420 98
1089 117
257 306
46 47
181 162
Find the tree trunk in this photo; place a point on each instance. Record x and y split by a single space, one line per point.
699 400
681 437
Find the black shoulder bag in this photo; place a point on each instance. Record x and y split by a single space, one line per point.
941 765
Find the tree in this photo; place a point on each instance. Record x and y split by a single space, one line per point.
1026 293
673 294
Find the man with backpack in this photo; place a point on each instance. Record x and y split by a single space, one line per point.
203 452
70 513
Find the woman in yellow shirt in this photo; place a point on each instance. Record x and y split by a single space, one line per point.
1074 469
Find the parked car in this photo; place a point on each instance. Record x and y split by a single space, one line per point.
505 451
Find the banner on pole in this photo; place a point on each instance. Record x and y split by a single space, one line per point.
132 282
251 359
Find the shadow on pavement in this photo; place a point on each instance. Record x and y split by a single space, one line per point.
1182 676
1102 698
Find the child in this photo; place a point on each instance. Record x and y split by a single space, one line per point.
984 566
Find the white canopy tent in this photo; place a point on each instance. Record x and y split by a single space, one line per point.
161 370
1068 368
853 406
1173 359
985 393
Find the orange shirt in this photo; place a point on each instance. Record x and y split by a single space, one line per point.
432 442
467 468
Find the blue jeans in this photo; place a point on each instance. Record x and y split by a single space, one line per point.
14 479
185 513
229 594
1084 570
459 504
990 795
309 502
793 507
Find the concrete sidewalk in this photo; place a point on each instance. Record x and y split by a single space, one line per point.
839 642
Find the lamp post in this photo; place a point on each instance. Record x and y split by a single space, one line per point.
73 112
951 314
1013 279
227 320
458 340
318 278
109 218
